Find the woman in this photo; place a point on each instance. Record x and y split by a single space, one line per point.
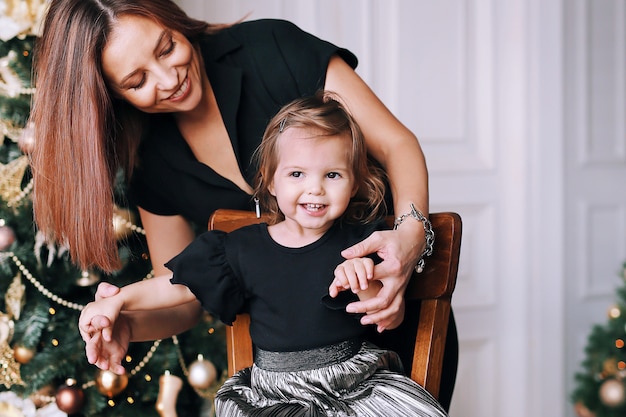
181 105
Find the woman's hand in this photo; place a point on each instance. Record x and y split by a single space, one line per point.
399 251
397 149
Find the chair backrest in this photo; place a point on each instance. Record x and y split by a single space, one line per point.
421 338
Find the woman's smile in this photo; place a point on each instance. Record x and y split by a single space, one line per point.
162 74
182 92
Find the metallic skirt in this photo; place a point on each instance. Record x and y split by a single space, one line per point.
369 383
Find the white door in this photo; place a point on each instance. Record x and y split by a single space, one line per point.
519 106
595 193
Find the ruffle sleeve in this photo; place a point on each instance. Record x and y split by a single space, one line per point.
204 269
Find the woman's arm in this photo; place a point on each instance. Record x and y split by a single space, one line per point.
399 152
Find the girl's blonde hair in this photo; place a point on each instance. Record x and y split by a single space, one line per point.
324 113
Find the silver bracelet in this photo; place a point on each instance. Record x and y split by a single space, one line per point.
428 233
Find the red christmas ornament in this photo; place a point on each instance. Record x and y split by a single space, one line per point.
70 398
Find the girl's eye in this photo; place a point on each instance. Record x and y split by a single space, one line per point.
296 174
333 175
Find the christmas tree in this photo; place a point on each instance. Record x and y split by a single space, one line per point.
601 386
43 369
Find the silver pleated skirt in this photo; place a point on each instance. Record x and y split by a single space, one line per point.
368 383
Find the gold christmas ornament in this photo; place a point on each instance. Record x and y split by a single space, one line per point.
21 17
11 176
123 222
614 312
70 397
23 354
9 368
202 373
169 387
612 393
10 82
14 297
110 384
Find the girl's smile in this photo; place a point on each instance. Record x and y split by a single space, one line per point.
313 182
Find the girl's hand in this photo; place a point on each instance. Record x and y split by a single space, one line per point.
105 332
399 253
109 354
352 274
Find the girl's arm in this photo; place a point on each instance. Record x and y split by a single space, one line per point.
98 319
151 294
166 236
147 295
398 150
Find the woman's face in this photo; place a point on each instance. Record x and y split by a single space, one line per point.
155 69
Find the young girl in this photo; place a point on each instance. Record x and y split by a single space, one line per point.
310 357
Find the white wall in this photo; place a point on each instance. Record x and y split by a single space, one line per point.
519 105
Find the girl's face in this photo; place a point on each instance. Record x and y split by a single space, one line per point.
313 182
155 69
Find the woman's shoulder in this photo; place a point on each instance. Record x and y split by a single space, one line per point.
265 26
287 39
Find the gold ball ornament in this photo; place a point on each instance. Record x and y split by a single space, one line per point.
110 384
7 237
202 373
612 392
70 398
23 354
123 220
614 312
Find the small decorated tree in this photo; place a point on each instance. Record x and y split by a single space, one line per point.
601 385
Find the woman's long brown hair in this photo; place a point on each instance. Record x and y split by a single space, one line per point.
83 134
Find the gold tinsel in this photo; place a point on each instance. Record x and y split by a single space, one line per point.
14 297
11 176
9 368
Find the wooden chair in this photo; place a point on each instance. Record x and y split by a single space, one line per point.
421 338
